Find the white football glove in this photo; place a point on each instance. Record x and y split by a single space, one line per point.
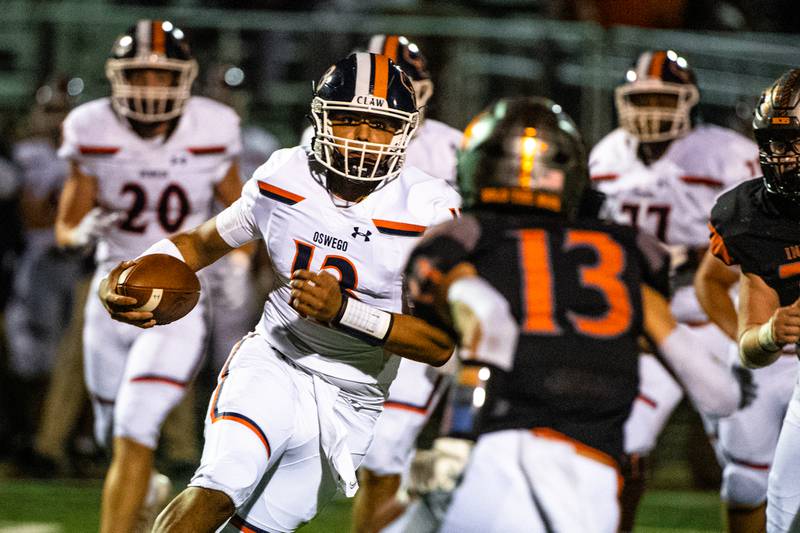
94 225
439 468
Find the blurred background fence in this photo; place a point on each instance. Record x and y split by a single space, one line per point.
474 59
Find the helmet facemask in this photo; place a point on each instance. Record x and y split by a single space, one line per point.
779 155
654 110
145 103
358 160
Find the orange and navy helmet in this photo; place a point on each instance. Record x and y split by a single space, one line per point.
370 85
525 153
657 101
776 124
409 58
157 45
403 52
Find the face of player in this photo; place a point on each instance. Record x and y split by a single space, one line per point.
364 127
360 128
151 77
657 100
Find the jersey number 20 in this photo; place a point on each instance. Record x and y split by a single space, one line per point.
603 276
173 206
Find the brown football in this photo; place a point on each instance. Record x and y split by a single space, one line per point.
162 284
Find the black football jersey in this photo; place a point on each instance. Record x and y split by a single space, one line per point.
759 231
575 292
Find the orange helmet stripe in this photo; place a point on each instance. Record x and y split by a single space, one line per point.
390 47
657 64
159 39
380 66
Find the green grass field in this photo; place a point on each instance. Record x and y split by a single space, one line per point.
72 507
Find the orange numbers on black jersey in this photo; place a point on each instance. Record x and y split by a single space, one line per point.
604 276
172 208
348 276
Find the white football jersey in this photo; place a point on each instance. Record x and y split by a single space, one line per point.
672 198
161 186
432 149
365 245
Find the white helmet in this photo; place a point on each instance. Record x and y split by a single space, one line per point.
150 44
656 102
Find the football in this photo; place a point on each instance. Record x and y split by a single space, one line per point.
161 284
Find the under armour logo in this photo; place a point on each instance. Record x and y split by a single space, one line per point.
357 233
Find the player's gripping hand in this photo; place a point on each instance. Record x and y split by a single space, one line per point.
786 324
315 295
118 306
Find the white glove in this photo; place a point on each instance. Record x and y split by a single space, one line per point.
439 468
94 225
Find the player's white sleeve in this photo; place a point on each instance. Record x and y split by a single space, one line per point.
709 381
69 139
434 201
236 223
483 319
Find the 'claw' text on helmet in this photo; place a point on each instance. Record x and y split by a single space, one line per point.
776 124
523 152
409 58
370 85
156 45
655 102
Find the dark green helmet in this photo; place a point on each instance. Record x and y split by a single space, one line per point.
525 152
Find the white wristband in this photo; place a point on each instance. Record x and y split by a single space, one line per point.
164 246
364 319
765 338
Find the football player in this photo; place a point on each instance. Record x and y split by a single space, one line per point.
749 436
661 172
144 163
294 410
524 284
416 391
754 226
